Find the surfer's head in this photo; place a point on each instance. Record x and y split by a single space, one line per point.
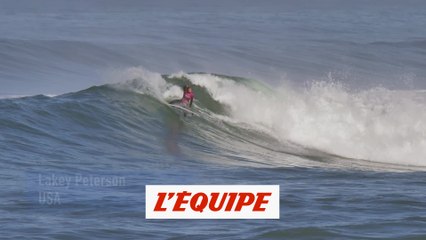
187 88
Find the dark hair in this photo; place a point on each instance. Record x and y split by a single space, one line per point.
185 87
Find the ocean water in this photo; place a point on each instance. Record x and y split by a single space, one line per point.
325 98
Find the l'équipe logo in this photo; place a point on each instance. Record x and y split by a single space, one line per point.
212 201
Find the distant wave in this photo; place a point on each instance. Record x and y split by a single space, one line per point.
421 43
34 54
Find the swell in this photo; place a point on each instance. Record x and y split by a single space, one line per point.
77 125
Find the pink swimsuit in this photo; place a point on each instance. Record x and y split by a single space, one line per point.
187 97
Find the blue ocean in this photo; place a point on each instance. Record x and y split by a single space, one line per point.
326 99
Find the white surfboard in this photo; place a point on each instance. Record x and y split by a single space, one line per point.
183 109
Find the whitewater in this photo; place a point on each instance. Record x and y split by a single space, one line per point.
378 125
326 99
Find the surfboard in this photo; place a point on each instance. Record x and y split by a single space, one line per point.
183 109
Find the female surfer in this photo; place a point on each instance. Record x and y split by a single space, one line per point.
188 96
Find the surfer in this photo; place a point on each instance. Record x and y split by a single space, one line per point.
188 96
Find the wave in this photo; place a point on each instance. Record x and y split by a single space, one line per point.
377 124
239 121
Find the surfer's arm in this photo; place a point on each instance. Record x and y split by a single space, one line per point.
190 102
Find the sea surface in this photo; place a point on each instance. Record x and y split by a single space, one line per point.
325 98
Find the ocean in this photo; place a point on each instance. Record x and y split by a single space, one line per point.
326 99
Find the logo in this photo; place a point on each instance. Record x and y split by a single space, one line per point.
212 201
